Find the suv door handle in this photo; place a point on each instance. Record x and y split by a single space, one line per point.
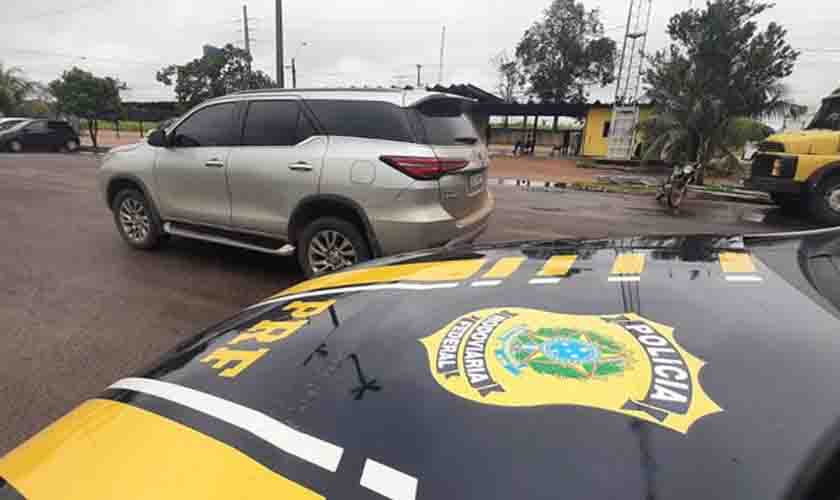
300 166
214 163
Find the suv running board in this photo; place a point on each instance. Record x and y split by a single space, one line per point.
170 228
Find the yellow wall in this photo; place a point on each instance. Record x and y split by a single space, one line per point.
594 142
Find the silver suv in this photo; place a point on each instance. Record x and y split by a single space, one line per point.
337 176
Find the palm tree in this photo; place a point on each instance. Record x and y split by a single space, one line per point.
697 128
13 88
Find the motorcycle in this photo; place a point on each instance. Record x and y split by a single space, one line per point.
674 190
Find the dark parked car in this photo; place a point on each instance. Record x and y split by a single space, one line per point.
39 135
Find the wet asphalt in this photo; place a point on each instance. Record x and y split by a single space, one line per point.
79 309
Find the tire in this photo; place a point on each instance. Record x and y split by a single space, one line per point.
334 239
824 202
71 146
136 220
676 195
15 146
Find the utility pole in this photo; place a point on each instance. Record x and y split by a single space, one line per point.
294 74
442 44
247 44
245 29
418 75
278 28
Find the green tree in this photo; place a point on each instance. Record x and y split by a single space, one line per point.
81 93
14 87
719 68
566 52
212 75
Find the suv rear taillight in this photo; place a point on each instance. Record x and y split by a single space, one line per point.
422 167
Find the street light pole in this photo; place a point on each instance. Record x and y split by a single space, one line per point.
278 20
247 45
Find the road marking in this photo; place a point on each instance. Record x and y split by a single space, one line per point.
388 482
559 265
362 288
299 444
744 278
545 281
736 262
629 263
504 267
480 284
625 279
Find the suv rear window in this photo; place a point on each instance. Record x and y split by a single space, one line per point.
368 119
60 126
445 123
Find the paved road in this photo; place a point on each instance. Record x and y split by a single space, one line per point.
79 309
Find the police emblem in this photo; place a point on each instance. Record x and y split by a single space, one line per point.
524 357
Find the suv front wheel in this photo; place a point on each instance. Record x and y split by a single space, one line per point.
329 244
136 219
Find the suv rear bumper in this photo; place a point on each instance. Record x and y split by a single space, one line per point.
774 185
398 236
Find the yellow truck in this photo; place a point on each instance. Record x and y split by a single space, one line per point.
803 168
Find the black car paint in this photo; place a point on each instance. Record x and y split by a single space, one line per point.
358 377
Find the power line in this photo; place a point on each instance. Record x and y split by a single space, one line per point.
820 51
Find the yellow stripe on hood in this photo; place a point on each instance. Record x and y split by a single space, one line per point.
109 450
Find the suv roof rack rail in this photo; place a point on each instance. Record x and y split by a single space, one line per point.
336 89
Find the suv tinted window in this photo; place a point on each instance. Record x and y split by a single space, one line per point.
211 126
444 123
275 123
369 119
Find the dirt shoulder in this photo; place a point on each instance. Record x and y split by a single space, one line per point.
539 169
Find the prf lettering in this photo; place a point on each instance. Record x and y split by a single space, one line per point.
232 362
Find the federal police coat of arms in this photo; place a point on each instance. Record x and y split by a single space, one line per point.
525 357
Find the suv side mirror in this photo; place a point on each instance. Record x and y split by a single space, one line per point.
158 139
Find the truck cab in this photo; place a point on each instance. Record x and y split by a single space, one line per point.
803 168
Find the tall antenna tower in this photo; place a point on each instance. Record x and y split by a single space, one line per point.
625 115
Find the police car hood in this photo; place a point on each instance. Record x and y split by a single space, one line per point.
684 367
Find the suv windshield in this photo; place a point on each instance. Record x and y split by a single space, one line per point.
828 117
9 124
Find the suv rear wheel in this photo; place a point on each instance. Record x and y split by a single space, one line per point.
825 201
136 220
329 244
69 146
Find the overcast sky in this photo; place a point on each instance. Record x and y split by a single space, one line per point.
363 42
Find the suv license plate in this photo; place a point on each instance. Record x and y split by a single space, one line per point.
476 182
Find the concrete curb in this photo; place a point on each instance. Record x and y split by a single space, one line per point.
635 189
555 187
